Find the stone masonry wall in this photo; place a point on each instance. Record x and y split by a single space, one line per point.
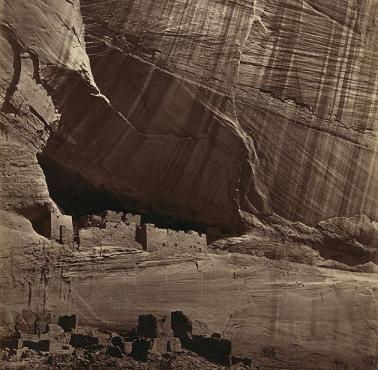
61 227
154 239
115 234
186 240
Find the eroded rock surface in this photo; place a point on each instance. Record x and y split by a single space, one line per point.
274 311
289 85
32 36
207 111
210 112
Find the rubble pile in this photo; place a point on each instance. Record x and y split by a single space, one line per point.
167 338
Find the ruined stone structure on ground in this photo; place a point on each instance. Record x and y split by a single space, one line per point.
164 326
83 341
68 323
39 331
155 334
32 322
166 344
147 326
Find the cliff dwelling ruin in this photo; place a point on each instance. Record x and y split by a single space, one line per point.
115 229
188 184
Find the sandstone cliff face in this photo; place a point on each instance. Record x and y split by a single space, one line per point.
206 111
290 85
211 110
279 313
32 36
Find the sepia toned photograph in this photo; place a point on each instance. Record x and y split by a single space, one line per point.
189 184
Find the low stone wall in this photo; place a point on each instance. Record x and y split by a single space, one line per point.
32 322
129 218
186 240
125 230
56 226
114 234
112 216
153 239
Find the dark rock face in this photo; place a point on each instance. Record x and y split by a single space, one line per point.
253 77
95 116
181 115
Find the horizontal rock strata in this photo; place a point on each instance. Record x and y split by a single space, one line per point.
296 82
276 312
208 112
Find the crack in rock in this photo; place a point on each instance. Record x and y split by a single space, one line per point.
17 49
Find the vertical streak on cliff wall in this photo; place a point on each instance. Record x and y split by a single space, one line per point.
295 79
212 109
309 99
33 35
